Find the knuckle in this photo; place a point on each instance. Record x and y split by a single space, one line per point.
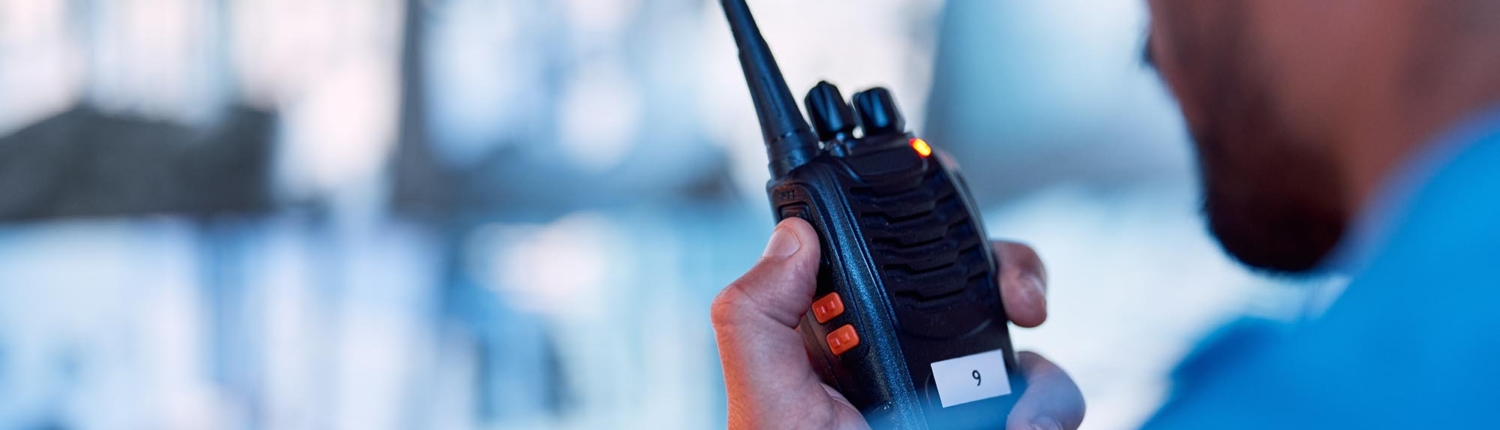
728 305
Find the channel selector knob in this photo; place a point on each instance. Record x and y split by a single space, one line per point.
831 115
878 113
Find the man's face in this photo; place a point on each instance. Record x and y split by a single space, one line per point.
1271 191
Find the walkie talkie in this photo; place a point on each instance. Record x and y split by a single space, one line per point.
907 321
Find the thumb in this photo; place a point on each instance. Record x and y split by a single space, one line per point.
755 320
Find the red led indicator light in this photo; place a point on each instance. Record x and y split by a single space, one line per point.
922 147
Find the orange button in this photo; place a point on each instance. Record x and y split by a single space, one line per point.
828 307
843 339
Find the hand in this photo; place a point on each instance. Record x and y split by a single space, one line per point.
771 384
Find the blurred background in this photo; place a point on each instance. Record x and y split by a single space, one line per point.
479 214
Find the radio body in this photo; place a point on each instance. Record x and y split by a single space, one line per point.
907 321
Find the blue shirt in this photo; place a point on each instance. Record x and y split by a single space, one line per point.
1413 342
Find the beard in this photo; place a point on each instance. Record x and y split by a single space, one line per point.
1272 195
1269 207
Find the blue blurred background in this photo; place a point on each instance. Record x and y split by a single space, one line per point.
475 214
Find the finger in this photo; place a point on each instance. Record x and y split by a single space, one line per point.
778 290
1051 401
1023 283
755 320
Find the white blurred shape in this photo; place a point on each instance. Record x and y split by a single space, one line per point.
600 115
600 17
332 68
281 270
25 22
341 133
383 347
101 323
154 58
373 365
283 48
175 340
478 70
41 65
560 269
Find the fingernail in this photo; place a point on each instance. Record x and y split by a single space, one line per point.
1045 424
783 244
1035 292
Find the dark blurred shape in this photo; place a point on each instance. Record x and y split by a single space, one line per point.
424 187
85 163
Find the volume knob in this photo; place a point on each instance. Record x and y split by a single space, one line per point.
831 115
878 113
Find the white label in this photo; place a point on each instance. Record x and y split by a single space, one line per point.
971 378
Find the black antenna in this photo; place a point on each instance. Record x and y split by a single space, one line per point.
790 142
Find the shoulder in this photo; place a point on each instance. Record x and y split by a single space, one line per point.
1369 363
1413 341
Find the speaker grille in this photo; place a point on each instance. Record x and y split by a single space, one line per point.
921 237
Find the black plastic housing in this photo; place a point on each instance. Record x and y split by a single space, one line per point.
902 246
